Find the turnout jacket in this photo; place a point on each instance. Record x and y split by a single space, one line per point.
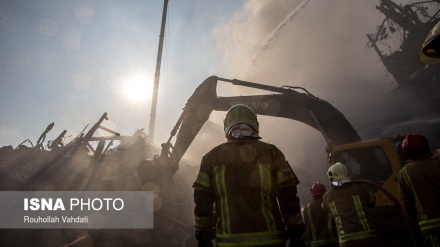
244 178
320 224
348 206
419 191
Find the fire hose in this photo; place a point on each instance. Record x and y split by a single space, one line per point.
408 223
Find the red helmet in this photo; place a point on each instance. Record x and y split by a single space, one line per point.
416 147
318 189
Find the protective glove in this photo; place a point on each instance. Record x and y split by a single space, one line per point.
204 237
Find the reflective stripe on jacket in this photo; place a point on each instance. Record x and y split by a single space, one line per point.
348 204
246 177
322 230
419 191
250 239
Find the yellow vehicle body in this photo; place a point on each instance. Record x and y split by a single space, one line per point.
376 160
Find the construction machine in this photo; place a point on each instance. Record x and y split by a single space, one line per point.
378 160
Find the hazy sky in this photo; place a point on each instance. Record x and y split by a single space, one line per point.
68 62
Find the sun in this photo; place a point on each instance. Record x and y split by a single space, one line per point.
138 88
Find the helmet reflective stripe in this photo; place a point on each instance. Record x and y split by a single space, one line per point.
266 188
240 114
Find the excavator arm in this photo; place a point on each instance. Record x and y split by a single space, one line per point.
284 102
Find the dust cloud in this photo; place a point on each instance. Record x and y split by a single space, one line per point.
321 46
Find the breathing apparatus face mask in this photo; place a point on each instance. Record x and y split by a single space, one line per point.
240 131
339 182
237 115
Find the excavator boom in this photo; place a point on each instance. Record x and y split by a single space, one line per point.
283 102
375 160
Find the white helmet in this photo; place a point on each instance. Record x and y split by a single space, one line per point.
338 174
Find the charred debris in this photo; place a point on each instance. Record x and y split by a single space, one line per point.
77 165
398 41
91 163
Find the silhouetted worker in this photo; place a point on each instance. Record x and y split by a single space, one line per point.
347 203
252 186
419 187
320 225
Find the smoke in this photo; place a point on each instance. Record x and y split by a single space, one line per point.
429 127
321 47
318 45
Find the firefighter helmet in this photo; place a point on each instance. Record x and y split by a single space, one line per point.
240 114
338 171
318 189
430 52
416 147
